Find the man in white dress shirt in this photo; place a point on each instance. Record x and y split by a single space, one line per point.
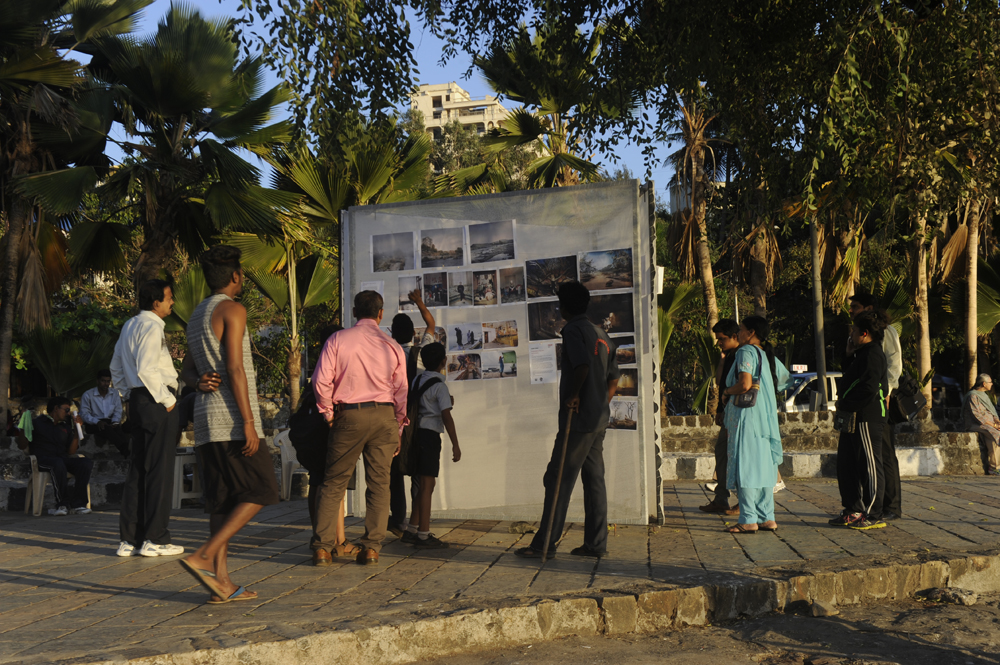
101 410
143 366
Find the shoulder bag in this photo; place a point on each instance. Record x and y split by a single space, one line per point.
749 398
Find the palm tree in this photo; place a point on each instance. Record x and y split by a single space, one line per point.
193 106
527 69
52 122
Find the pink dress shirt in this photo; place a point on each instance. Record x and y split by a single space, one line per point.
361 364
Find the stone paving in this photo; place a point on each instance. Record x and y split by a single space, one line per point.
65 596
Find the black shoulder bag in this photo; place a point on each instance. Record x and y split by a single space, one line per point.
749 398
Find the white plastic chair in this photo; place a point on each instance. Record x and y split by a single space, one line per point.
185 456
289 463
35 494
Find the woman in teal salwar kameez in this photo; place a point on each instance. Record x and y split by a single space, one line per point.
754 440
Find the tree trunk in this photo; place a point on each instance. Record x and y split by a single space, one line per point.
972 282
921 307
154 256
698 207
819 333
758 277
294 347
16 223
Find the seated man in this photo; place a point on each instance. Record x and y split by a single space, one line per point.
980 416
101 410
52 439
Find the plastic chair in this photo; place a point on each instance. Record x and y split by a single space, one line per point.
289 463
185 456
35 494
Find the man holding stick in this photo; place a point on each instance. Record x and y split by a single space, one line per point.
589 380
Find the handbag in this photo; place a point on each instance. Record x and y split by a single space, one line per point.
845 421
749 398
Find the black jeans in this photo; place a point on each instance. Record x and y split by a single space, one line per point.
397 493
721 468
892 497
860 471
113 434
584 455
59 468
149 486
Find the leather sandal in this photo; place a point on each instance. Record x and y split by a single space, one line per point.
346 549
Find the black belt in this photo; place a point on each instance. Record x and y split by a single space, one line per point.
360 405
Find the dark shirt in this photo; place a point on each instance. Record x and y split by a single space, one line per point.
865 384
583 343
49 438
727 364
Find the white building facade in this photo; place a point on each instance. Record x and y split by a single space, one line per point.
442 103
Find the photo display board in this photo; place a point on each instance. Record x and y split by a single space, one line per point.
488 268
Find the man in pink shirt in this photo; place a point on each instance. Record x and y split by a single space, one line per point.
360 386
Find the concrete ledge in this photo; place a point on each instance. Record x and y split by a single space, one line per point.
471 630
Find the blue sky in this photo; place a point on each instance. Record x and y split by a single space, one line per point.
428 55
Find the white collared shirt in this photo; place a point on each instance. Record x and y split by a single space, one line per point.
142 359
95 407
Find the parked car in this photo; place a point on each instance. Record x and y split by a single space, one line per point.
797 395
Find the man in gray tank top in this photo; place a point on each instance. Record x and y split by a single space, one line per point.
238 468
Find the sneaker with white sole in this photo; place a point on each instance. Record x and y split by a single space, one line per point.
125 549
82 510
780 486
151 549
711 486
59 512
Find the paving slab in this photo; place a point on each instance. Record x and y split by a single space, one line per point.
65 596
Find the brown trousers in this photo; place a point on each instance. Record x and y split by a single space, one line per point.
373 433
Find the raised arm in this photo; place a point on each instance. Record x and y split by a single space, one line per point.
234 322
418 299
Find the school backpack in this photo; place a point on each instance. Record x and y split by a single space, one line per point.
413 415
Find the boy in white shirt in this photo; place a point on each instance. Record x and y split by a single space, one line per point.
433 418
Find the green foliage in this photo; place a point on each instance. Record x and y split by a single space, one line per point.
68 363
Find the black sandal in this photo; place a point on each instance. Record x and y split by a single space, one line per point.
739 528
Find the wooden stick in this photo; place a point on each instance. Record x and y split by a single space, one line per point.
555 495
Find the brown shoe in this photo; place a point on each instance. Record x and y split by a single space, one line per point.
322 558
716 508
367 557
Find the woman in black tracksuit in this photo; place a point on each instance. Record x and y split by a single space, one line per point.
863 390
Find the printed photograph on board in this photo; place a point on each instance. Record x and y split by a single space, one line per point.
438 333
499 364
460 289
486 287
493 241
544 320
628 383
465 336
392 252
624 349
442 248
408 285
465 367
545 275
511 285
498 334
436 289
610 269
624 414
612 312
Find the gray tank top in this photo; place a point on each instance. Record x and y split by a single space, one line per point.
217 415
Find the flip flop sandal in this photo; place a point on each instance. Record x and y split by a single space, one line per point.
739 528
205 577
237 595
346 549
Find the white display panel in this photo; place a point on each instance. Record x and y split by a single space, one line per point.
490 265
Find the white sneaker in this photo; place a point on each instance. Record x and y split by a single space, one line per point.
82 510
149 549
711 486
780 486
125 549
60 511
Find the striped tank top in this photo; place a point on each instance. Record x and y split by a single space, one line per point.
216 414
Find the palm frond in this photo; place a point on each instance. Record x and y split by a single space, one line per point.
97 246
257 254
189 290
322 286
68 364
272 286
60 192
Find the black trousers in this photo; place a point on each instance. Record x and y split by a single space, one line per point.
113 434
59 468
892 497
149 485
721 468
584 455
860 471
397 493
